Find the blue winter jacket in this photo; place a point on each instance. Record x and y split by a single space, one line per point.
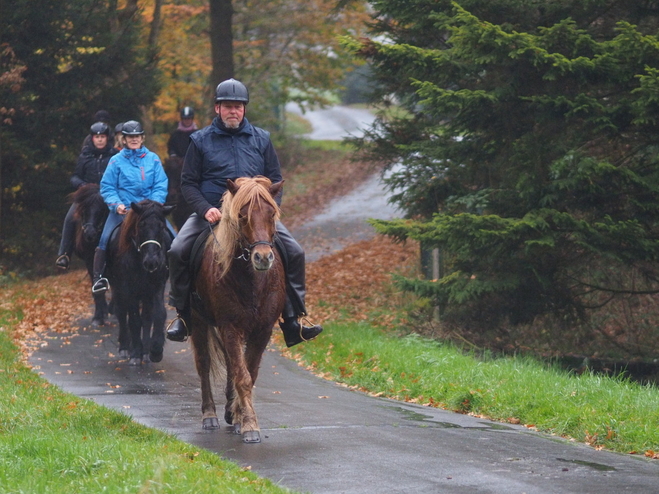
215 155
132 176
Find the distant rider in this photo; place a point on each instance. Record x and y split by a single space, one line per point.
180 138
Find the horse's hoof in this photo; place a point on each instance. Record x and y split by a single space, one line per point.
145 358
236 429
210 424
124 354
135 361
252 437
97 322
155 356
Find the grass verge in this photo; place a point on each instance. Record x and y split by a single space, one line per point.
615 414
53 442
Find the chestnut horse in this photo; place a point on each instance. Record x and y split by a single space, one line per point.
90 214
241 294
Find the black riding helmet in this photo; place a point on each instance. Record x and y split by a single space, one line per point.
132 128
187 112
231 90
99 128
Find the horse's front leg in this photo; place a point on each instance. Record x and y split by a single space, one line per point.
202 359
243 409
254 349
124 332
135 326
158 333
147 323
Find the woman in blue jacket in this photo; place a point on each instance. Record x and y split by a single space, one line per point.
132 175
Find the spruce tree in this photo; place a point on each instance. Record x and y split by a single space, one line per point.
528 151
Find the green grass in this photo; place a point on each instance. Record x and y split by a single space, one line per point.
53 442
614 413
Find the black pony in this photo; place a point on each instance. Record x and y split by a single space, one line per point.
173 166
137 271
90 215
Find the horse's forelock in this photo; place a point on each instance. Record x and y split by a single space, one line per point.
130 227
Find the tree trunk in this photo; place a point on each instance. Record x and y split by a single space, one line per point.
154 34
221 12
155 24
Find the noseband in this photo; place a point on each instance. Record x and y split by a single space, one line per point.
247 251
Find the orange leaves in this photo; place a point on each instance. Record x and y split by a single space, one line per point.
353 280
50 304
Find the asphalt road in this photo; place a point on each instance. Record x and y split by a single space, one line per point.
320 437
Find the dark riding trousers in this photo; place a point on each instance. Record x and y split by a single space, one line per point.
180 277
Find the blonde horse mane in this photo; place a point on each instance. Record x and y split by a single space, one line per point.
226 233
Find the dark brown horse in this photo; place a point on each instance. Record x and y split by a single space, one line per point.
173 166
90 214
242 293
137 270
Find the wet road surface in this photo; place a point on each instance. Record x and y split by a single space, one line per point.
320 437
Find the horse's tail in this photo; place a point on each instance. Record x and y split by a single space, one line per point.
218 367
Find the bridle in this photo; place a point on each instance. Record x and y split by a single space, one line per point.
246 253
139 247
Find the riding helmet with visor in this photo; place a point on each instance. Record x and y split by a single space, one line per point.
132 128
231 90
99 128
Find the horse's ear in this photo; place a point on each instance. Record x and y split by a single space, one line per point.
136 207
276 188
231 185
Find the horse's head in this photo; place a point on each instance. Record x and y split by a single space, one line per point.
91 212
145 228
249 216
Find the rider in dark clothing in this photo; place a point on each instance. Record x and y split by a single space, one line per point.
180 138
230 148
89 169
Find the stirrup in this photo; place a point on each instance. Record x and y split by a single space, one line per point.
174 336
63 261
309 325
100 285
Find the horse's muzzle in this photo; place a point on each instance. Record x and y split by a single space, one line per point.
262 261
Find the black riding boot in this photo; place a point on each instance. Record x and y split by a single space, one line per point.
295 333
178 329
68 239
99 284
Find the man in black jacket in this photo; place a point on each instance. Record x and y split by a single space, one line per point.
89 169
230 148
